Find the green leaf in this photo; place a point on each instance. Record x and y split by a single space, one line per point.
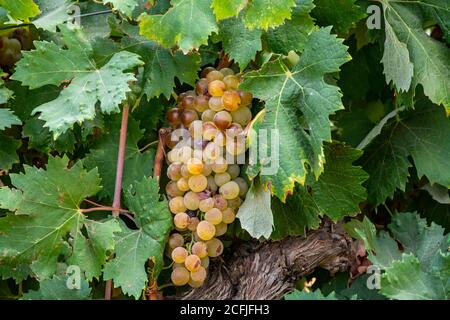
8 119
20 9
135 246
315 295
341 14
8 155
47 207
265 14
5 93
103 155
405 37
238 42
255 214
293 33
224 9
125 6
187 24
419 134
290 94
89 85
362 230
54 13
56 289
336 194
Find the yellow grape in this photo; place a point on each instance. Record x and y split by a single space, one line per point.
181 220
194 166
212 152
206 230
208 115
191 200
172 190
184 171
183 185
223 120
192 263
221 229
221 178
194 284
206 204
175 240
179 254
214 75
216 104
185 153
216 88
193 223
228 216
229 190
180 276
205 262
176 205
199 248
231 82
174 171
231 100
199 275
209 130
220 202
205 71
215 247
220 165
227 71
243 116
198 183
214 216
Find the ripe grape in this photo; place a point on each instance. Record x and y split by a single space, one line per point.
172 190
209 130
220 202
179 254
231 82
220 139
184 154
223 120
199 275
187 102
194 284
216 103
199 248
227 71
214 76
207 70
235 147
243 116
176 205
205 230
193 223
228 215
229 190
174 171
221 229
212 186
195 129
198 183
206 204
214 216
201 86
183 185
208 115
219 165
231 100
215 247
174 117
216 88
195 166
221 178
9 51
233 170
243 186
181 220
205 262
180 276
191 200
246 98
212 152
201 103
207 169
192 263
176 240
188 116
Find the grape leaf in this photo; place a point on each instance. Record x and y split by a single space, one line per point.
47 208
224 9
264 14
336 194
5 93
8 119
315 295
135 246
125 6
341 14
54 13
288 94
89 85
244 50
56 289
20 9
187 24
293 33
8 155
407 41
421 134
255 214
103 155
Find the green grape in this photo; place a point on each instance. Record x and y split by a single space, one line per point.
227 71
205 262
223 120
192 263
199 275
215 247
216 88
205 230
221 229
199 248
180 276
220 202
179 254
194 166
212 186
198 183
172 190
176 240
243 186
193 223
242 115
183 185
181 220
229 190
231 100
228 216
233 170
214 216
214 76
208 115
221 178
174 171
191 200
231 82
234 203
206 204
176 205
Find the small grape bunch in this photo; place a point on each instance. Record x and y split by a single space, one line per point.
205 187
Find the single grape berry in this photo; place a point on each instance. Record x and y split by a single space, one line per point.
192 263
180 276
179 254
206 230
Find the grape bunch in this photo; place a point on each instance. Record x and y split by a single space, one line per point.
10 51
207 146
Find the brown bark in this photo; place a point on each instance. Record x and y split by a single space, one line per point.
270 270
